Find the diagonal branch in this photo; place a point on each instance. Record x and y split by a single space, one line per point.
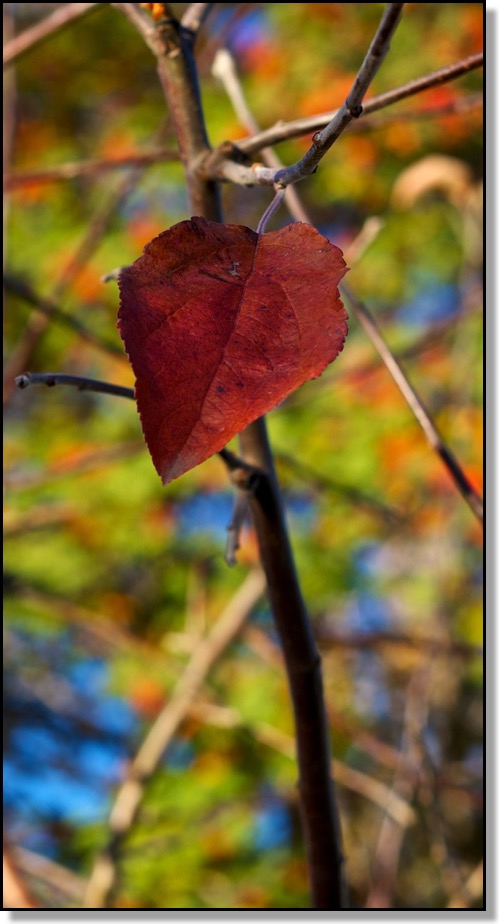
130 794
283 131
352 107
422 416
22 290
62 17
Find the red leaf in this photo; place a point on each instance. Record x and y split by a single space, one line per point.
220 324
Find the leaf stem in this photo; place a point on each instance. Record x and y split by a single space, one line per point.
269 211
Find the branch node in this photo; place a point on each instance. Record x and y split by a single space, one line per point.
355 111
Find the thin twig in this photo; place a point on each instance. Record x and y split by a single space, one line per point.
284 131
352 107
422 416
319 482
82 383
463 104
130 794
70 171
27 40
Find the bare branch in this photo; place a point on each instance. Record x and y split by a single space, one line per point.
352 107
58 877
51 379
15 893
286 130
195 15
27 40
131 792
303 667
391 836
87 168
171 45
422 416
347 777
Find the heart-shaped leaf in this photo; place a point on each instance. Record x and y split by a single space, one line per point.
220 324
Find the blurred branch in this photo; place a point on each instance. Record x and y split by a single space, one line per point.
195 15
9 117
58 877
391 836
23 351
99 630
354 780
145 763
80 382
472 890
22 290
17 480
458 106
320 482
60 18
70 171
283 131
362 641
15 893
422 416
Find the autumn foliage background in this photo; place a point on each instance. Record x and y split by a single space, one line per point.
112 580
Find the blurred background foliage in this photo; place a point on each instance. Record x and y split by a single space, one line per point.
112 580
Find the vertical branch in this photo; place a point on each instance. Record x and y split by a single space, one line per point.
173 47
320 818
